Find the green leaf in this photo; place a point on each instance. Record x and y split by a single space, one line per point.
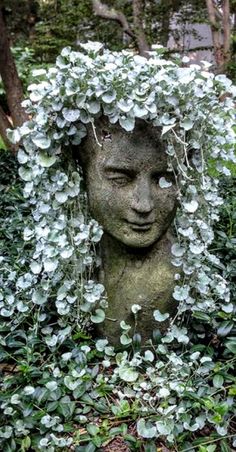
222 408
50 265
191 206
98 317
36 267
210 448
10 447
224 446
101 344
128 374
71 115
97 440
22 157
136 341
231 346
201 316
61 197
187 124
38 72
52 406
66 407
218 381
108 97
150 447
124 326
131 439
93 107
92 429
232 390
146 429
101 407
41 141
13 135
88 448
127 123
159 317
125 339
120 430
163 183
46 160
148 356
25 444
25 174
225 328
39 297
121 409
79 391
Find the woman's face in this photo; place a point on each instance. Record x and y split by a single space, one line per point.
123 188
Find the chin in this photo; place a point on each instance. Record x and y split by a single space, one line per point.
138 242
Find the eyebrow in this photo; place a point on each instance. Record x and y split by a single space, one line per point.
124 167
119 169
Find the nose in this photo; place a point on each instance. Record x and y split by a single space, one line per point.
142 200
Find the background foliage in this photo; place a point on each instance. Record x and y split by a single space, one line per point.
48 26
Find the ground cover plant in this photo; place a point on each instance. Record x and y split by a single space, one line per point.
61 388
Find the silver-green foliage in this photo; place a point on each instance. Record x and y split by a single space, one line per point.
171 382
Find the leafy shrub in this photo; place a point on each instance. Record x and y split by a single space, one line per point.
225 247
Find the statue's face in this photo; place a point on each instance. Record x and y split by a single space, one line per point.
123 186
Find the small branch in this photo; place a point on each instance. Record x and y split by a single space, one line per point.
102 10
95 134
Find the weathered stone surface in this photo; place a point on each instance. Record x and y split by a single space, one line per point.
136 277
122 178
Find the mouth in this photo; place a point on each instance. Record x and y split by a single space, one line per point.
140 226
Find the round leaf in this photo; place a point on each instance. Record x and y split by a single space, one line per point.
46 160
98 317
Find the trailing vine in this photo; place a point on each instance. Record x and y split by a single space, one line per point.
179 384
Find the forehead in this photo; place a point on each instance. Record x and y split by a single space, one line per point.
137 150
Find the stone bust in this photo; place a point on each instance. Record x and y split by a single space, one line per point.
122 172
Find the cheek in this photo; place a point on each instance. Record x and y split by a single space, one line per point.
105 203
166 201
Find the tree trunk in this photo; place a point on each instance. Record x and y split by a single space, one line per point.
10 79
138 28
165 25
221 30
216 34
226 30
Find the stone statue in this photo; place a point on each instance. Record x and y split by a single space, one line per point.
122 172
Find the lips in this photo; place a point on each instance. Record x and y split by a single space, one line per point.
140 226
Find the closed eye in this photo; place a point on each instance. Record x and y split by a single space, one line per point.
119 179
119 176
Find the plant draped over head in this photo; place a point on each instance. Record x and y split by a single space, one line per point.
49 299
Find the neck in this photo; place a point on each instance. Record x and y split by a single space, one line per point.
111 246
141 276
